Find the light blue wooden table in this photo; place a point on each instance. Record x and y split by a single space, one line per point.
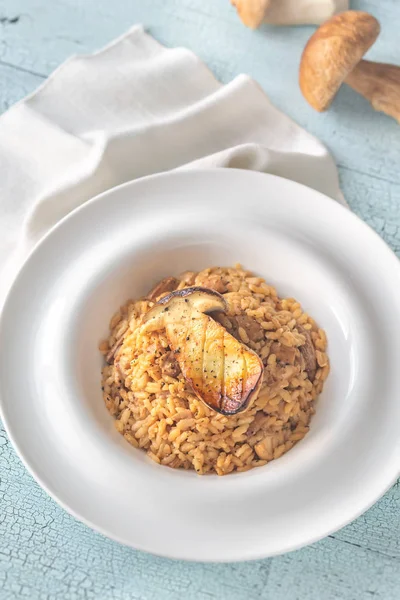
45 553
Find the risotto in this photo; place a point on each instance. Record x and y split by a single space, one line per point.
156 409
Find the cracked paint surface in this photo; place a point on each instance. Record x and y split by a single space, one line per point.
45 554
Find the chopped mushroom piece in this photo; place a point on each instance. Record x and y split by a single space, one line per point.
188 277
169 365
308 354
259 422
264 449
253 329
223 372
212 282
168 284
285 354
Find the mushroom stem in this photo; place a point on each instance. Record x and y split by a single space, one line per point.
303 12
287 12
379 83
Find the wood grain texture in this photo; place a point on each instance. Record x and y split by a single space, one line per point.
45 553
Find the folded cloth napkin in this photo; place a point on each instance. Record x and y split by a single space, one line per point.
133 109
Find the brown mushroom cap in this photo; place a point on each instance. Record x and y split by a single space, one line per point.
201 299
251 12
331 54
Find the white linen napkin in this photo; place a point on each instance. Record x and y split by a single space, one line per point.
133 109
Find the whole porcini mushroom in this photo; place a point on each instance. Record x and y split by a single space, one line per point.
333 55
224 373
287 12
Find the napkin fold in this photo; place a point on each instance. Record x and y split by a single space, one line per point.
132 109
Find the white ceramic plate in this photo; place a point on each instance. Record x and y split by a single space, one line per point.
117 246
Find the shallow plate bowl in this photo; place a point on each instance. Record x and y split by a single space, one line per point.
116 247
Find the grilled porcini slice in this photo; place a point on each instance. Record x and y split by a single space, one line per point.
222 371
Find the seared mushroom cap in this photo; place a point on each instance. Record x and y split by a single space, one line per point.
204 299
222 371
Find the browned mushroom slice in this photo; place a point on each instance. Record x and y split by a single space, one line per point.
168 284
223 372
